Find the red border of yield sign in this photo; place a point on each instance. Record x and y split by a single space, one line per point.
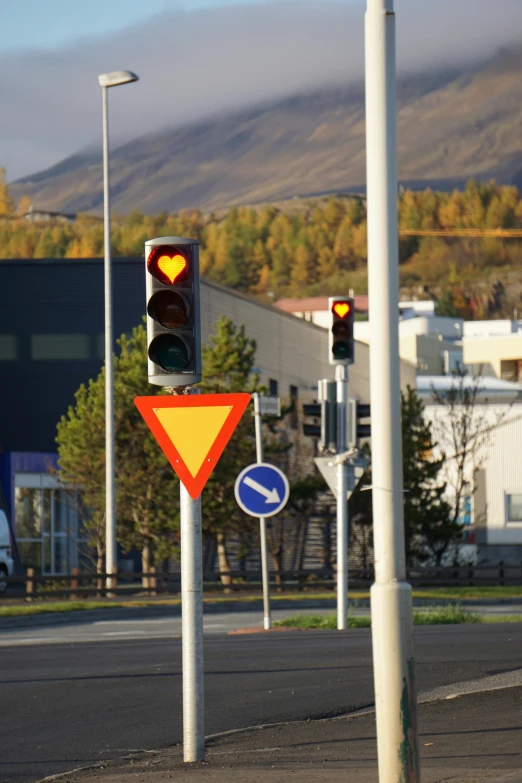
238 403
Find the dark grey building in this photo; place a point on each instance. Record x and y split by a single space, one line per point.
52 341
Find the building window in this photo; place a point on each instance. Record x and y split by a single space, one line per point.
273 387
8 348
514 508
47 524
60 346
294 418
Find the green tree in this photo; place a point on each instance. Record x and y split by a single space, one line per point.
228 366
430 527
147 489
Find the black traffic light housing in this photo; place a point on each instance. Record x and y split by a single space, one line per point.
356 430
173 311
326 410
340 336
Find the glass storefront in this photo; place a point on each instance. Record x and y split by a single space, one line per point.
48 531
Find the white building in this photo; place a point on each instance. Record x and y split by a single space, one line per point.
496 345
492 502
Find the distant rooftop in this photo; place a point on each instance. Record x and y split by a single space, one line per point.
488 387
317 304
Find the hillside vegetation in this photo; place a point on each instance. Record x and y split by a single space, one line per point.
317 247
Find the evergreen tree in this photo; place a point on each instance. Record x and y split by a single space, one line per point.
429 526
146 486
228 366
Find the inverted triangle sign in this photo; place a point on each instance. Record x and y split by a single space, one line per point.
193 430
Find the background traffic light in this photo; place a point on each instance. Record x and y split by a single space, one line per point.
356 430
173 312
340 336
326 410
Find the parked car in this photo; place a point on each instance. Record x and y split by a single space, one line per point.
6 561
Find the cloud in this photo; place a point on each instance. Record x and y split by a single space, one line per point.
192 64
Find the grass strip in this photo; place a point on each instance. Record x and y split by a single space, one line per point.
458 594
446 615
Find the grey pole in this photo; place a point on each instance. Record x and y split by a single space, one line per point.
192 627
267 621
111 565
341 376
392 629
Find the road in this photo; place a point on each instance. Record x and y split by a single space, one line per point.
66 705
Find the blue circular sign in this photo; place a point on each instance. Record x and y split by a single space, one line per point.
262 490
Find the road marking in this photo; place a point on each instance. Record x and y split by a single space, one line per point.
123 633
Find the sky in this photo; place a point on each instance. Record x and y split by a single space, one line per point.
198 57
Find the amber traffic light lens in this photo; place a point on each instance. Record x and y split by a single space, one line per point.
170 352
169 309
341 309
168 265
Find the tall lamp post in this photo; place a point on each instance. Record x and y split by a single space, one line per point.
107 80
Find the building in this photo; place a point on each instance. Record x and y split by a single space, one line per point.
52 341
491 508
496 345
315 308
428 342
39 215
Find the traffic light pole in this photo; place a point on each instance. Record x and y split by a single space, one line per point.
267 621
192 626
392 631
341 377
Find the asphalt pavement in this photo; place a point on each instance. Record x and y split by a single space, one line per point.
74 704
164 622
471 739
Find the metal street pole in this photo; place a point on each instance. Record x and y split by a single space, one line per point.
192 627
392 630
267 621
341 377
111 563
105 81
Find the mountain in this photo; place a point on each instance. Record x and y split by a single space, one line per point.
453 124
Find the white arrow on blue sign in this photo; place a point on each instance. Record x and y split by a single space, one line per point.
262 490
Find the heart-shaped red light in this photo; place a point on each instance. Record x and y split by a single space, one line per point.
341 309
172 266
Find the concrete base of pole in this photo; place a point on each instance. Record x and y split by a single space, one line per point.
394 676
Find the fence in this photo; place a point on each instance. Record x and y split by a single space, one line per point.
83 585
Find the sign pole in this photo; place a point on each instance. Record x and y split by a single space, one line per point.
391 601
341 377
192 626
267 620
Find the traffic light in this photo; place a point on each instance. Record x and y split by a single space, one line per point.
357 431
173 317
340 338
312 410
326 409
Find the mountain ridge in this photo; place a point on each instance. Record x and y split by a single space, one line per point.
453 124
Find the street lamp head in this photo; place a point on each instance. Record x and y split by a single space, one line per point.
116 77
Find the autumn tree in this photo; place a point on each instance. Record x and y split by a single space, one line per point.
146 486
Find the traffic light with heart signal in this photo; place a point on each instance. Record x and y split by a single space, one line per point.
173 313
340 336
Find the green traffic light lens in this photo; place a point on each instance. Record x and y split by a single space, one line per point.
170 352
169 309
341 350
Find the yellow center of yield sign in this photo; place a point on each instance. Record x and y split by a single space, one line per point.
193 430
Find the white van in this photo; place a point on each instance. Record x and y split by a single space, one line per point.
6 561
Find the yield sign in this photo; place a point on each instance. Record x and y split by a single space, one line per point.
193 430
